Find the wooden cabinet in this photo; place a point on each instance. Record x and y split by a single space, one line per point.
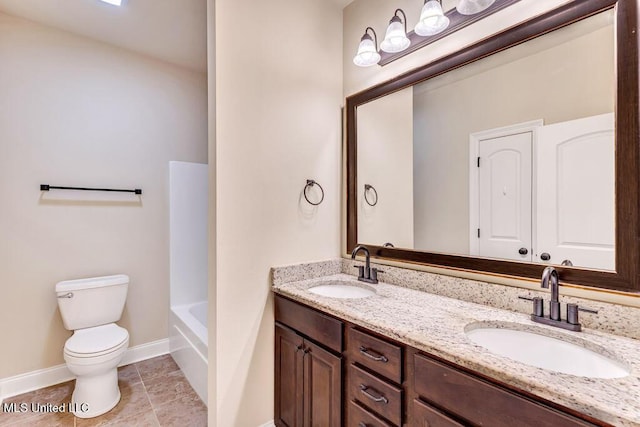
376 354
375 394
387 383
361 417
374 379
289 367
479 402
322 387
308 377
424 415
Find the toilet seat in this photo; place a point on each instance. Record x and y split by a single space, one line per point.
97 341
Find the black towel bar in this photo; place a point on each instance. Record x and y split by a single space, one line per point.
46 187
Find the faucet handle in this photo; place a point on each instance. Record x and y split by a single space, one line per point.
374 274
572 313
360 271
538 307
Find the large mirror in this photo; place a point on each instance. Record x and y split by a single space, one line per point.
507 156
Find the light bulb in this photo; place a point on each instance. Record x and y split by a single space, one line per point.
471 7
367 54
432 20
396 38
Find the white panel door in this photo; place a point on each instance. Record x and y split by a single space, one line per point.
505 197
576 192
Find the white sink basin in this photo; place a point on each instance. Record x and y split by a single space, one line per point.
548 353
342 290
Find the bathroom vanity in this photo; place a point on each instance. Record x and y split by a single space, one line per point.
374 362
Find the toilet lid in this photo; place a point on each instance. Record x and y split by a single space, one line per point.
99 339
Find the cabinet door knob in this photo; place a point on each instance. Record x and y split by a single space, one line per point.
545 256
523 251
300 347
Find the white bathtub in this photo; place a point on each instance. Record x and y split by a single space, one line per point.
188 342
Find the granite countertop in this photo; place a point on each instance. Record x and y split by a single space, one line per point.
437 324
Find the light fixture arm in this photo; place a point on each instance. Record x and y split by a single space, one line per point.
404 18
375 36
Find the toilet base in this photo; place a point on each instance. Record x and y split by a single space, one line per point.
95 395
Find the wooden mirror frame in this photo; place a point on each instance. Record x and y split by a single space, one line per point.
626 276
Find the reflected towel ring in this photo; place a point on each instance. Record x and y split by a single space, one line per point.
311 183
368 187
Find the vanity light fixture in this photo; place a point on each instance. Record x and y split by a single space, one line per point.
367 54
113 2
396 39
471 7
433 25
432 19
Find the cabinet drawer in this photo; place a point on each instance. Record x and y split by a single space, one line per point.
360 417
315 325
375 394
424 415
480 402
376 354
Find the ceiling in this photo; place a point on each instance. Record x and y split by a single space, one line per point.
171 30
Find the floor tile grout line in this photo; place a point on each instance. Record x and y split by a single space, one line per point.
146 393
180 396
164 374
156 418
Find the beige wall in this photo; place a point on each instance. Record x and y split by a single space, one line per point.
78 112
556 80
279 93
385 161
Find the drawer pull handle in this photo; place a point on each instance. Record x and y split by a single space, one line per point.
373 355
361 424
378 399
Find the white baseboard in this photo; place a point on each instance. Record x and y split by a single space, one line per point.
41 378
269 424
145 351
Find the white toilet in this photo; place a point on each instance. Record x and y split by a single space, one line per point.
89 308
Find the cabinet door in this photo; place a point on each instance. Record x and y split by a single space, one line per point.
424 415
480 402
289 378
322 387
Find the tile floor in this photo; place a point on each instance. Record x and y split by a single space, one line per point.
154 393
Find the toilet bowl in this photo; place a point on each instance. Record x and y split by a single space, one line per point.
90 308
93 355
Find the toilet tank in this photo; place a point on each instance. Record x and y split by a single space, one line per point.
85 303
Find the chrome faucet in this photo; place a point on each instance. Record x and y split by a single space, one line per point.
365 273
550 279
